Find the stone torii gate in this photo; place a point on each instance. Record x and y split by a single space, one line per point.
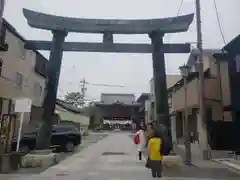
60 26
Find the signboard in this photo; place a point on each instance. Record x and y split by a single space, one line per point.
23 105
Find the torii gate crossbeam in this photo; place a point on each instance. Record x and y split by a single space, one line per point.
110 47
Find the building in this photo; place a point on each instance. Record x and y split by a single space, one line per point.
213 85
221 95
118 110
150 103
22 71
229 130
143 100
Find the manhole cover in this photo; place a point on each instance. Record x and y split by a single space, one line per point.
113 153
61 174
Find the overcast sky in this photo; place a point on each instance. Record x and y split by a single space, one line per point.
132 70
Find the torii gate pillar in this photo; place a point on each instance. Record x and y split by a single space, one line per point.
159 78
53 73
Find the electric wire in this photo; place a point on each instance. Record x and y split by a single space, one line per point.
219 22
178 13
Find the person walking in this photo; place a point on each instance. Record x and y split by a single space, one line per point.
140 141
155 157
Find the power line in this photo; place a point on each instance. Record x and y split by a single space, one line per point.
219 22
178 13
105 85
179 8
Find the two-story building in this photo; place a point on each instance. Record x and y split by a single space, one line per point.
212 92
22 71
219 80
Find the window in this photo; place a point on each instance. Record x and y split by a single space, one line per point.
26 82
19 80
64 128
237 60
38 89
22 49
12 107
3 34
1 66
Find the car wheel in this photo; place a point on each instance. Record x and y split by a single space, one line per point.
69 146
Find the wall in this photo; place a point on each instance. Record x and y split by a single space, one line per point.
17 60
171 80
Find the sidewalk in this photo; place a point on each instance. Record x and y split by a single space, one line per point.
229 162
115 158
223 158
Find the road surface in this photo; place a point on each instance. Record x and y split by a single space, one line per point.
115 158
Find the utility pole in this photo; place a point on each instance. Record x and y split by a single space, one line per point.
202 108
83 89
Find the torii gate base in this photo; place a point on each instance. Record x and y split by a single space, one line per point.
156 28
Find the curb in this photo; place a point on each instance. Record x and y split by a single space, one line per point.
229 165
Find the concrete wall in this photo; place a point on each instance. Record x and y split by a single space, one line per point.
17 60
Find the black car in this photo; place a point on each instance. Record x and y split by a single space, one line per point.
64 138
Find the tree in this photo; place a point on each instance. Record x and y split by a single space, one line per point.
75 97
93 112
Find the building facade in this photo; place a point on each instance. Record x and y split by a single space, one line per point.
143 110
216 93
22 71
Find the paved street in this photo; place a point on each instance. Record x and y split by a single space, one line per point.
86 141
108 160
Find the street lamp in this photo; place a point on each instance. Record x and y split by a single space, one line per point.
184 72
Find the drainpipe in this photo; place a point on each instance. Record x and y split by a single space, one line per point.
2 3
219 77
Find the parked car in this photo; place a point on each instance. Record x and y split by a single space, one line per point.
64 138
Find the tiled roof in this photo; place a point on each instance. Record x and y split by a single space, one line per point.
68 106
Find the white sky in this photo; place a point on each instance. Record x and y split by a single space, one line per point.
132 70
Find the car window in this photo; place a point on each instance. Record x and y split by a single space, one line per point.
64 129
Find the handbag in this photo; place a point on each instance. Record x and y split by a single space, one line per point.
166 146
